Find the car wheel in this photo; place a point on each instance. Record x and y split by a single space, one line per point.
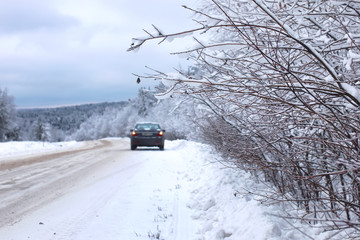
161 147
133 147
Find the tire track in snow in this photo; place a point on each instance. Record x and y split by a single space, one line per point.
31 182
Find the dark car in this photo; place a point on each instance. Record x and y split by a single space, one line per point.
148 135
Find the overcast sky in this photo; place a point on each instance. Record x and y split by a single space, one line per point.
60 52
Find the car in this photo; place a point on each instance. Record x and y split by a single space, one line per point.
148 135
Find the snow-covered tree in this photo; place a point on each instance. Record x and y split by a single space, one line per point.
8 130
281 81
41 131
172 114
144 101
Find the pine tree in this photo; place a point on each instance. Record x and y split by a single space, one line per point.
41 131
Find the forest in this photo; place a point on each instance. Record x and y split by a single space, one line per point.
94 121
56 124
274 87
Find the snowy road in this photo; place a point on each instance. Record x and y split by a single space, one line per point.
100 191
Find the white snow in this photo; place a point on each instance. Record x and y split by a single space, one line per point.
353 91
167 94
171 38
29 147
181 193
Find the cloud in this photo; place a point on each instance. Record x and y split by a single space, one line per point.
24 15
75 51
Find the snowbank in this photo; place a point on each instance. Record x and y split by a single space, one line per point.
24 148
218 210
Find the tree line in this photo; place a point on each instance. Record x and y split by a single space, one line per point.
94 121
46 124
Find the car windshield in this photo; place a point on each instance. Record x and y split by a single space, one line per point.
147 126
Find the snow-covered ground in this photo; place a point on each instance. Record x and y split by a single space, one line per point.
181 193
25 148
